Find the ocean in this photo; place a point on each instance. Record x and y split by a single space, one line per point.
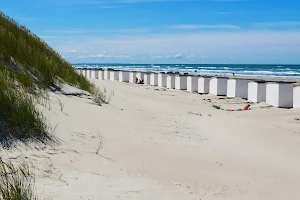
287 71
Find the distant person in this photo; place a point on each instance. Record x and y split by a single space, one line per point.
233 74
136 80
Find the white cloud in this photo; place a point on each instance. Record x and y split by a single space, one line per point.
202 26
205 57
84 51
157 57
281 24
178 56
72 51
191 57
104 55
160 57
263 46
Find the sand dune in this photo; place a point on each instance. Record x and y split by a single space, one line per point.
167 144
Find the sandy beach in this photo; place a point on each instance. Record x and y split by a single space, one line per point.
156 143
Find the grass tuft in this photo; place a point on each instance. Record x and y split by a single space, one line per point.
19 119
16 183
100 97
100 144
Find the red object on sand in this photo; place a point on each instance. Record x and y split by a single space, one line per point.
246 107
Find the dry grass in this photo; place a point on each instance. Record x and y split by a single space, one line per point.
101 96
100 144
61 104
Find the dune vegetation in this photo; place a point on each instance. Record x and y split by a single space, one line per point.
24 51
17 182
28 67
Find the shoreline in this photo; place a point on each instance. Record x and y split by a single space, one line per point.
257 70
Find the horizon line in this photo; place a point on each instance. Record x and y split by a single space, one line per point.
178 64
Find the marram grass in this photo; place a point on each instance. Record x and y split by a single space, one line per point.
19 119
16 182
28 67
24 50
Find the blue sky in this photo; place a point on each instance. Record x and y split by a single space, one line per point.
165 31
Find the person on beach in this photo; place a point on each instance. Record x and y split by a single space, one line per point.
136 80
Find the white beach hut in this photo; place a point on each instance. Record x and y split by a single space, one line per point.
162 79
154 79
296 95
90 73
237 88
106 74
94 73
101 74
147 78
279 94
192 83
114 75
124 76
132 76
257 91
181 82
218 86
171 81
140 75
85 72
203 84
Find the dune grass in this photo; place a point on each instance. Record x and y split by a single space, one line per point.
23 50
16 183
28 67
19 119
101 96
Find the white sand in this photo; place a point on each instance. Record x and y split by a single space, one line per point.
167 144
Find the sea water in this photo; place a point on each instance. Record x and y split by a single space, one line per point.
288 71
